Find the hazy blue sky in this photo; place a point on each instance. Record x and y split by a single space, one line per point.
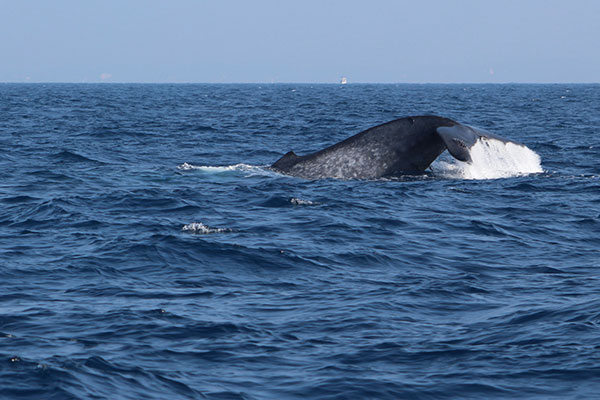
300 41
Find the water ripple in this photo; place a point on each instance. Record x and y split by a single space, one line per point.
148 252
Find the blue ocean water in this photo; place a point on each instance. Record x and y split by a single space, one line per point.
146 251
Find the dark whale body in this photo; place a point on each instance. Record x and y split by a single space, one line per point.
401 147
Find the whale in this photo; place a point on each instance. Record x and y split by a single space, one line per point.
405 146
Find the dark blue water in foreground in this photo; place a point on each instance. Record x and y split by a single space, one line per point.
425 288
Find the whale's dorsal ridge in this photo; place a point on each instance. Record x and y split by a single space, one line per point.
286 161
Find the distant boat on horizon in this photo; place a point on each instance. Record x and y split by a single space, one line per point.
344 80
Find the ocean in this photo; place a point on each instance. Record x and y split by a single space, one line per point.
148 252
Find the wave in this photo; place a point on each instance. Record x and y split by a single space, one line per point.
280 201
491 159
67 156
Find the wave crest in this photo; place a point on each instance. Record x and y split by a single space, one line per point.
199 228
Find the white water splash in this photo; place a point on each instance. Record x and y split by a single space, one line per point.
207 168
300 202
200 229
491 159
245 168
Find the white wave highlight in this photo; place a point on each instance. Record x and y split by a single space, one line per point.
245 168
199 228
236 167
492 159
300 202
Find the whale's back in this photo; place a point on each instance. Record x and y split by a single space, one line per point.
403 146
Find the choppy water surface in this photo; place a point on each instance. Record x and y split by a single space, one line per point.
146 251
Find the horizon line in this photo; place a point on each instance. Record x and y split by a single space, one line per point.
296 83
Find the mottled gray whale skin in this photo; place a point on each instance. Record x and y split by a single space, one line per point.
405 146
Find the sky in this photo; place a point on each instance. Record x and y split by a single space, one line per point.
304 41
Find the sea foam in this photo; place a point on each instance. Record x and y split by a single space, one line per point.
200 229
249 170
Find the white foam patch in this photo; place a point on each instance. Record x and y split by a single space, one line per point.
300 202
199 228
245 168
491 159
207 168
